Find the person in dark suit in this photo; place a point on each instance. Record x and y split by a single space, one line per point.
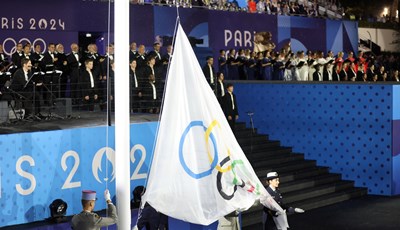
209 71
3 57
141 60
158 59
132 52
220 86
49 58
21 85
135 82
335 75
37 56
343 73
229 106
74 65
317 74
17 56
165 61
62 65
151 95
89 86
351 72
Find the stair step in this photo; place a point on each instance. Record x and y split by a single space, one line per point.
308 193
255 139
325 200
260 149
301 174
285 167
309 182
246 133
276 160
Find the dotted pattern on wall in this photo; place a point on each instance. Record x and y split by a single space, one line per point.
345 127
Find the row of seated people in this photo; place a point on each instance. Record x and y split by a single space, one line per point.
300 66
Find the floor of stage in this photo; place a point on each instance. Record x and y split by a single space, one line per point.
78 119
367 213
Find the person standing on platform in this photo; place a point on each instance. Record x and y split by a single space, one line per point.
17 56
222 63
135 86
89 86
220 87
87 219
229 106
270 220
209 71
242 62
74 65
232 66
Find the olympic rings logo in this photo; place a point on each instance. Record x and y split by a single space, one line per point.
231 168
10 44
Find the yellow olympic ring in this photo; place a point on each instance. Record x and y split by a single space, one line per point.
210 158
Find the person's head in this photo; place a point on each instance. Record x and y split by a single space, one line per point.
89 64
340 54
90 48
133 46
74 47
350 54
229 87
396 73
110 49
232 52
372 67
60 48
353 65
151 78
157 46
142 49
241 52
222 53
27 49
133 64
210 60
382 69
273 179
220 76
38 48
151 61
19 47
26 64
170 48
375 77
88 200
365 76
51 47
330 53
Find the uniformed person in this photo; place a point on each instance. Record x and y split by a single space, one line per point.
270 217
87 219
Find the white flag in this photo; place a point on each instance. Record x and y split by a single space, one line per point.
199 173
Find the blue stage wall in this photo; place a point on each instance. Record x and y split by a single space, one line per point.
38 167
352 128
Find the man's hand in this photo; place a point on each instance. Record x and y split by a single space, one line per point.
87 98
140 94
237 117
229 118
39 84
299 210
95 96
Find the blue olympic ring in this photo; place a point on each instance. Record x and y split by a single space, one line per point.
182 160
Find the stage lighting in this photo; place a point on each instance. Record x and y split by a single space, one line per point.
58 210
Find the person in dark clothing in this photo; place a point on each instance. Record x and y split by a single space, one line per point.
268 216
229 106
89 86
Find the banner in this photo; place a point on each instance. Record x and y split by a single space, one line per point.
37 168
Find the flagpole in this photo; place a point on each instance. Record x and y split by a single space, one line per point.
122 124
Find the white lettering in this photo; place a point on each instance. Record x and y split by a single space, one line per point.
228 37
247 39
4 23
20 23
238 38
26 175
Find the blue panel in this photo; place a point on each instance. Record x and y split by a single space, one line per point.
396 102
334 36
345 127
33 175
352 33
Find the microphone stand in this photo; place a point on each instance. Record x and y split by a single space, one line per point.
33 115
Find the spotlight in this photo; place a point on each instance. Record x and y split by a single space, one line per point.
58 210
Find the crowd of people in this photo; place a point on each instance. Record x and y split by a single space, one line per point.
307 66
276 7
36 78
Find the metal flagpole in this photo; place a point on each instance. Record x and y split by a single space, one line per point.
122 135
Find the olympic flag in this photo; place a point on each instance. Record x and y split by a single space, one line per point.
199 173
